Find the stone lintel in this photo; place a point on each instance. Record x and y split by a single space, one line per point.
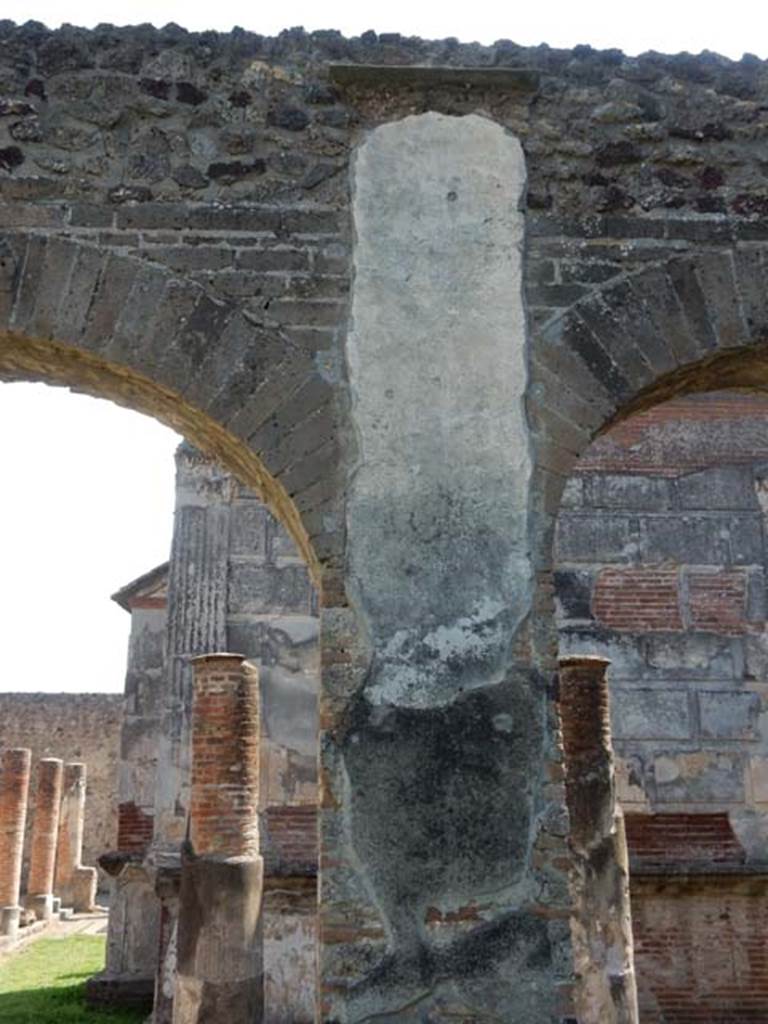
405 76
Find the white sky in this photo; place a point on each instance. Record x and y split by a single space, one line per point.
88 506
732 29
89 485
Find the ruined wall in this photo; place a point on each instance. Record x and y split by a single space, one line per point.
662 567
180 206
74 727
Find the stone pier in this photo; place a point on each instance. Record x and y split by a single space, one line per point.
601 923
45 828
14 790
219 966
74 884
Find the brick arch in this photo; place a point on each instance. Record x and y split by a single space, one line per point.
693 323
122 328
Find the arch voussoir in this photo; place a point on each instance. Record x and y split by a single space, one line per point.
118 326
613 348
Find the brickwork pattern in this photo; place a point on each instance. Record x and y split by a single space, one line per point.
225 758
45 826
680 839
72 726
134 828
15 769
647 220
290 839
700 950
662 566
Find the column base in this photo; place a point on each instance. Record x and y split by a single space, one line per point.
9 922
84 882
107 990
41 906
219 973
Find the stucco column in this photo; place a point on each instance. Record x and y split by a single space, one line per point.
601 924
14 790
74 884
219 967
197 598
45 827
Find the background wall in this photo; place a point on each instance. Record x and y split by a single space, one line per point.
74 727
662 568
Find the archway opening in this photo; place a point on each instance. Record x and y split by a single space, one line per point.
263 570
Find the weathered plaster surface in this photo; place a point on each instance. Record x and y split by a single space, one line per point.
437 744
438 507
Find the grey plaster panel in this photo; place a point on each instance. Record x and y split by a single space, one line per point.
594 538
644 714
699 777
725 487
726 714
628 491
703 540
438 509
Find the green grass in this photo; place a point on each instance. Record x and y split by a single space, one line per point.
44 984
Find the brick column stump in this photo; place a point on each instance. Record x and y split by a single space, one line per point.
14 791
74 884
601 922
45 829
219 968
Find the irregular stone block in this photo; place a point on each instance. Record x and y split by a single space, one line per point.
729 715
650 714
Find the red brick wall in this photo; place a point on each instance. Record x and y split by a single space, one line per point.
644 444
717 601
700 950
663 599
134 828
291 836
637 599
682 838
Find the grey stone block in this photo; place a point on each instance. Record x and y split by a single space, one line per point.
646 714
694 656
628 491
573 593
590 538
248 530
702 540
282 589
725 487
623 651
729 715
699 777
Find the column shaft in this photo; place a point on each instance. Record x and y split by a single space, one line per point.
74 884
45 828
601 924
220 972
14 791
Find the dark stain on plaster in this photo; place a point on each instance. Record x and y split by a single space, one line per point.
442 797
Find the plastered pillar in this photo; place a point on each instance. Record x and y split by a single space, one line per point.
601 924
45 828
14 790
74 884
128 979
219 966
